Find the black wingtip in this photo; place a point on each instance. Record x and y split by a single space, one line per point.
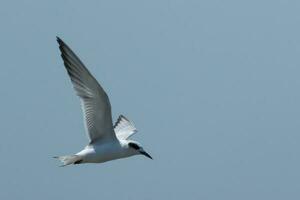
122 116
60 41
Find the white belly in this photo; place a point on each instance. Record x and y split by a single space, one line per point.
102 153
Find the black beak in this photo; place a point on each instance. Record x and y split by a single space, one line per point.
146 154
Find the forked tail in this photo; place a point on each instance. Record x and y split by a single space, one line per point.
69 159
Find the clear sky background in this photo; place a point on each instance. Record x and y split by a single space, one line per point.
212 86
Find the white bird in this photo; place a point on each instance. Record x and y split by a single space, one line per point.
107 142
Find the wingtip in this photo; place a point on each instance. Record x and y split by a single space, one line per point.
122 116
60 41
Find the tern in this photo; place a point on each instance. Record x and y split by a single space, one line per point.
106 141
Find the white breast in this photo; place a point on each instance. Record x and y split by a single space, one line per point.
104 152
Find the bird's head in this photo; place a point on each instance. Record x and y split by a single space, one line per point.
137 148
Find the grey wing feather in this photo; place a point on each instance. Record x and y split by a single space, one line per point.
95 103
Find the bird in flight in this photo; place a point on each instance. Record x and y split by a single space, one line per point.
107 141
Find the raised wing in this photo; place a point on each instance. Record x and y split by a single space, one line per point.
124 128
95 103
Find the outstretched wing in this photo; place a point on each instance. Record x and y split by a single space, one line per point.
124 128
95 103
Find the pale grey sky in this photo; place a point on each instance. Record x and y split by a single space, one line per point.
212 86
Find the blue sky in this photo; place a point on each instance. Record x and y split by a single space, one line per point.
212 86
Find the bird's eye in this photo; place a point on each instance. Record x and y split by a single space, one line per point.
133 145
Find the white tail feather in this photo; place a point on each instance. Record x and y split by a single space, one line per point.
68 160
